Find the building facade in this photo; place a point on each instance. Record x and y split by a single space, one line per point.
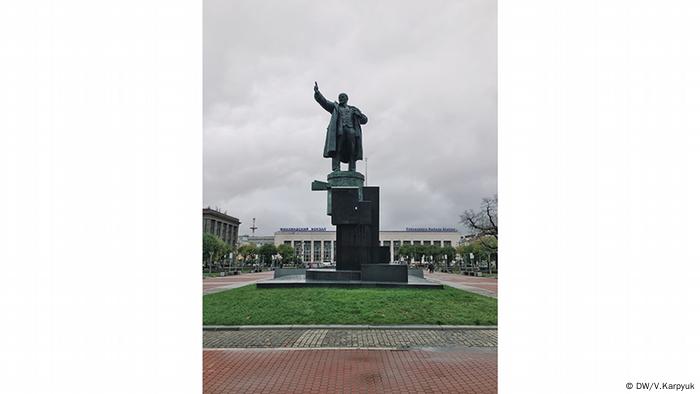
318 244
257 240
220 225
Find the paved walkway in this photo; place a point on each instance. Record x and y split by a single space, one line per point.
213 285
475 284
339 360
351 360
350 371
350 338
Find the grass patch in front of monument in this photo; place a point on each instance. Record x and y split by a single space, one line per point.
249 305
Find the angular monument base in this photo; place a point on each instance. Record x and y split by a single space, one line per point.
332 278
384 273
327 274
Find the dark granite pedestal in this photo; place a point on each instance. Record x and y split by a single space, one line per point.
384 273
369 272
360 260
326 274
371 275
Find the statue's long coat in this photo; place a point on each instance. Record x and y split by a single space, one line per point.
330 147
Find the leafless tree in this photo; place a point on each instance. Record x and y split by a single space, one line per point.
485 221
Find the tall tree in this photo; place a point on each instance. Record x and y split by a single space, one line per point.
247 251
209 245
465 251
214 249
485 221
434 251
287 253
419 251
266 252
449 253
407 251
486 248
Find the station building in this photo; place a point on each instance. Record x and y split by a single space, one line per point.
316 244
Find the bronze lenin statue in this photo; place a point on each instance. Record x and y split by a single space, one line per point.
344 133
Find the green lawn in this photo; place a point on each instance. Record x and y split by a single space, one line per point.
250 306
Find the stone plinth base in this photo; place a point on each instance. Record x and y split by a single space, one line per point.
345 179
280 272
346 284
368 273
384 273
417 272
334 278
328 274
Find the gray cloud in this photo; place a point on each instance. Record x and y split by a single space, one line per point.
423 72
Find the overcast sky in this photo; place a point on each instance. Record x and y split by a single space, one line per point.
423 72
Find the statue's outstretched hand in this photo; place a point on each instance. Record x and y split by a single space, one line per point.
315 87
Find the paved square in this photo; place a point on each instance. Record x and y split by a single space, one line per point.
350 371
475 284
214 285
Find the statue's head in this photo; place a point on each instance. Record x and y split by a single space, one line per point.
343 98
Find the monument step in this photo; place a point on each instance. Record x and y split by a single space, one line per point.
329 274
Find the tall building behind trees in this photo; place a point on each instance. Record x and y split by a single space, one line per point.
221 225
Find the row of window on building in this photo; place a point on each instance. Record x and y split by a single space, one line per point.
322 251
221 225
226 231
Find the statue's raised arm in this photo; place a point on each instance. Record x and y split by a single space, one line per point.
327 105
344 131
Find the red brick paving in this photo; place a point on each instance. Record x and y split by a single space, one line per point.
212 283
350 371
488 284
